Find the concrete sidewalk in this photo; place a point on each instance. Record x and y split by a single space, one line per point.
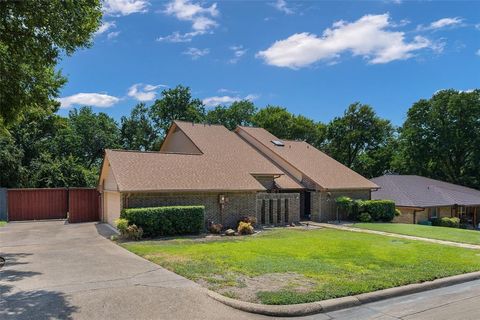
71 271
395 235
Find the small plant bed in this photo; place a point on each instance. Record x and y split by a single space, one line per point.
3 223
439 233
290 266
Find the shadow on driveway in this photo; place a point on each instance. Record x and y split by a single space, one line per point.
35 304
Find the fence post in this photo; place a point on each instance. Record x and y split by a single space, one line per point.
3 204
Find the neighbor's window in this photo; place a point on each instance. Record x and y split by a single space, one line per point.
433 212
460 211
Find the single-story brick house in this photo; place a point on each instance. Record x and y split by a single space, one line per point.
420 198
247 172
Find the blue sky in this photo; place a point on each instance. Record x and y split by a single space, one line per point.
312 57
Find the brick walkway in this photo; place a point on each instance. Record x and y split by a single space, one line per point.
395 235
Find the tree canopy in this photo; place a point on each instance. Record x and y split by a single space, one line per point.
33 36
360 140
439 138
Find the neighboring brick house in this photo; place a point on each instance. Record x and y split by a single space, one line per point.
419 198
248 172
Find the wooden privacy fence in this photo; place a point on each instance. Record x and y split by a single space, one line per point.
82 205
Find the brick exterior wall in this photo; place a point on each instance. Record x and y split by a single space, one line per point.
237 204
324 207
408 216
278 208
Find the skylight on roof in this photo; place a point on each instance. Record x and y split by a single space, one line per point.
278 143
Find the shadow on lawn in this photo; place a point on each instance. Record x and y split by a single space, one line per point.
33 304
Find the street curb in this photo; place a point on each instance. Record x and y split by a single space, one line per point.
304 309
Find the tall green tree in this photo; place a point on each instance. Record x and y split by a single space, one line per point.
175 104
10 162
239 113
136 131
275 120
33 36
360 140
93 133
285 125
440 138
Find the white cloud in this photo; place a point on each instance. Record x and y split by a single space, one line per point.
367 37
105 26
226 100
196 53
143 92
281 5
202 19
238 52
441 23
100 100
180 37
124 7
224 90
113 34
478 52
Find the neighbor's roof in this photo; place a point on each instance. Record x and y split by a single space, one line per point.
226 163
316 165
417 191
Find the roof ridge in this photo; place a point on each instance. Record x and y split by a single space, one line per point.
157 152
200 123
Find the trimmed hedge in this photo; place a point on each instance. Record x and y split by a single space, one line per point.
167 221
379 210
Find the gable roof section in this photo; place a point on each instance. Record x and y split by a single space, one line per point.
226 163
156 171
325 171
422 192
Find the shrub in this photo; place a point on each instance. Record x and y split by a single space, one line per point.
166 221
127 231
446 222
244 228
364 217
215 228
133 232
398 213
379 210
425 223
436 222
248 219
122 225
450 222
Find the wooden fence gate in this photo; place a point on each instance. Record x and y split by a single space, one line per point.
81 205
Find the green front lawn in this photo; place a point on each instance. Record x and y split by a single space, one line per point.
287 266
440 233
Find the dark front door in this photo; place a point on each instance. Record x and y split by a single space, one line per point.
305 205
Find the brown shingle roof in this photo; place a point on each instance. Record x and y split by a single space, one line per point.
227 163
417 191
316 165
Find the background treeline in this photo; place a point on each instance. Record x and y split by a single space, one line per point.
440 137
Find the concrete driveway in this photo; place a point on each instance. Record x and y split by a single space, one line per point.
71 271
